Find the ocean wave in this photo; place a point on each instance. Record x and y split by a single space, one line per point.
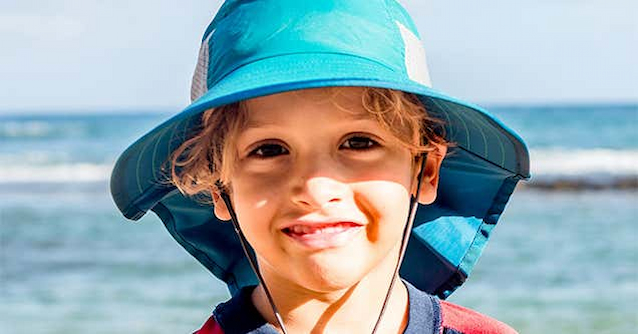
24 129
34 128
576 162
62 173
41 157
592 169
40 129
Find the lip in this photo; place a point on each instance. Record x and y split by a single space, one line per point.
317 235
319 222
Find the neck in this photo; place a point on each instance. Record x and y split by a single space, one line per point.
351 310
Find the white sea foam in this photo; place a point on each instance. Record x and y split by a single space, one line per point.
28 158
580 162
40 129
25 129
62 173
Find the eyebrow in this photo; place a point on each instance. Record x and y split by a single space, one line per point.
252 123
352 116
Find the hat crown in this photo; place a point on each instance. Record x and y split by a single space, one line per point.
247 31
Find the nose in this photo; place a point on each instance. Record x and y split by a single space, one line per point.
317 192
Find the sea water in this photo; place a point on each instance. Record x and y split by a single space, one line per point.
563 259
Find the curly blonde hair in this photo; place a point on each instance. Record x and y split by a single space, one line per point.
209 155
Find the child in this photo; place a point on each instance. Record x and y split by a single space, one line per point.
314 131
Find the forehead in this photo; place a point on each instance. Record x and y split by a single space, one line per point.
330 103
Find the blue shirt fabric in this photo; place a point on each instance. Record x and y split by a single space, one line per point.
239 316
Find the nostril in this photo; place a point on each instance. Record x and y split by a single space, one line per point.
316 192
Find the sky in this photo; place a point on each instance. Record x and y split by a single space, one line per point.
94 55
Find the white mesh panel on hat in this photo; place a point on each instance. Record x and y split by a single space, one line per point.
415 61
198 85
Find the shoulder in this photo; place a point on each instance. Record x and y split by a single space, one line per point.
236 315
456 319
210 327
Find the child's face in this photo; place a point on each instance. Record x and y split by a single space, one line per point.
321 193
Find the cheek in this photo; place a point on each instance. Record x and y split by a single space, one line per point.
253 192
255 201
382 193
385 204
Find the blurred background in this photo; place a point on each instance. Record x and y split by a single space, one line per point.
81 80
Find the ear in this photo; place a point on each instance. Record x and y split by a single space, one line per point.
430 181
221 210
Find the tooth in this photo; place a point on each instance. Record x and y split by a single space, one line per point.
320 229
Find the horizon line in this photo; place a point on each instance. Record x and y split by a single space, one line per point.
150 110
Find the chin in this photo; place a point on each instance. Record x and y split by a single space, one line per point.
332 282
335 274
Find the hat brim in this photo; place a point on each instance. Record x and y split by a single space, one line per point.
477 176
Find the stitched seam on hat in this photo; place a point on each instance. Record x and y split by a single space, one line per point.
299 53
153 164
489 161
387 12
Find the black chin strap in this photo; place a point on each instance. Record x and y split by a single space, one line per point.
245 246
414 201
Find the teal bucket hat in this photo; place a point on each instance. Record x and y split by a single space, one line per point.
256 48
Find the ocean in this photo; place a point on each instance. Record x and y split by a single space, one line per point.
563 259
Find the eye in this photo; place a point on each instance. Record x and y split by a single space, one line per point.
359 143
268 151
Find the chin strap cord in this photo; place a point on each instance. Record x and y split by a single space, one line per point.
414 203
245 246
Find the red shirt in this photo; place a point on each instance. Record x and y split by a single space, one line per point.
427 315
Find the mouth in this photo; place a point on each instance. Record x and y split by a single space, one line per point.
321 236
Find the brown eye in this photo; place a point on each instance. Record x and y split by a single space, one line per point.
268 151
359 143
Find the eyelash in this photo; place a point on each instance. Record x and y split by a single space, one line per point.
258 152
255 153
370 143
